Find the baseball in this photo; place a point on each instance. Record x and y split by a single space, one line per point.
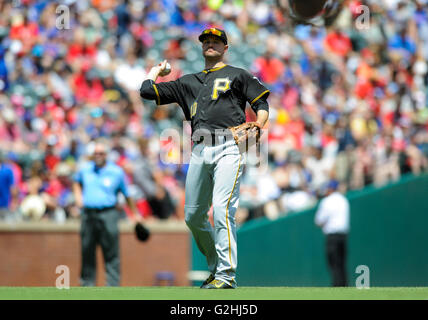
167 70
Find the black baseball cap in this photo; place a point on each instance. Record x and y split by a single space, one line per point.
213 32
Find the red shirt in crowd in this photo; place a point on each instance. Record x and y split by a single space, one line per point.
88 91
339 43
269 70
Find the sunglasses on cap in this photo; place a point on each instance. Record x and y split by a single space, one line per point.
213 31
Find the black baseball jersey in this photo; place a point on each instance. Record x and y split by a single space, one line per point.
212 99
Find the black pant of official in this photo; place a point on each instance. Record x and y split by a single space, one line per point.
336 257
100 227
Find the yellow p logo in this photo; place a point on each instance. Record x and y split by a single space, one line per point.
220 84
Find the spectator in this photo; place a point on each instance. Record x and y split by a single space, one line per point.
402 44
149 180
123 18
268 68
320 169
362 171
338 43
291 178
8 191
386 162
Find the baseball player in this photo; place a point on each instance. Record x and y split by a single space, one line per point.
213 100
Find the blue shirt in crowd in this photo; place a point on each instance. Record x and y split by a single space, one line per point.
100 186
6 182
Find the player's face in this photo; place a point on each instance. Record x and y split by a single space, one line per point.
213 47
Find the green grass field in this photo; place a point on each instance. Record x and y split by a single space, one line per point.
192 293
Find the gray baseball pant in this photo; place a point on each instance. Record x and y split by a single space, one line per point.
213 179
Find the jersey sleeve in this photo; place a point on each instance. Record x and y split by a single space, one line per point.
163 92
253 89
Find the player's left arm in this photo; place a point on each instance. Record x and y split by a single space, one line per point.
256 94
261 108
262 117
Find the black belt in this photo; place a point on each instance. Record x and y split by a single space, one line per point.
213 139
98 210
337 234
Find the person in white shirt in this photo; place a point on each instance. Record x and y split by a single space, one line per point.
333 217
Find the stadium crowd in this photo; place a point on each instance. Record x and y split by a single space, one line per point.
348 103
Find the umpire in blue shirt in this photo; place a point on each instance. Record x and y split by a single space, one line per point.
95 187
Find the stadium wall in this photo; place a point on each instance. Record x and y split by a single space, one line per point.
30 253
388 234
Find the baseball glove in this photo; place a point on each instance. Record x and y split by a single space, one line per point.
317 13
141 232
246 135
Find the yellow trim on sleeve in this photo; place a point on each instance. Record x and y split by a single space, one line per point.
227 210
157 94
259 96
